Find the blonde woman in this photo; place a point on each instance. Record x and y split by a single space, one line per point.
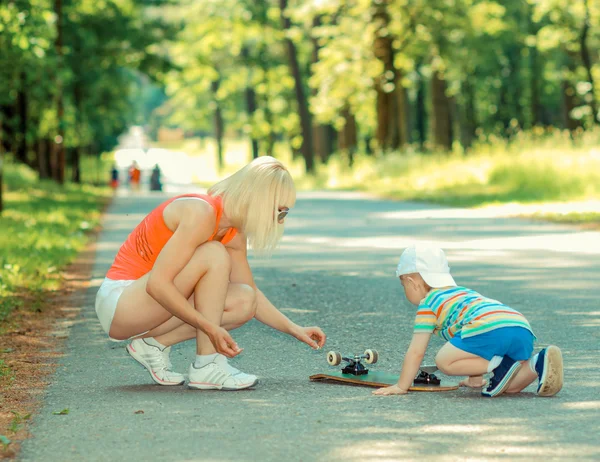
183 273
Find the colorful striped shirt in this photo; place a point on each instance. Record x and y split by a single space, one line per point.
446 312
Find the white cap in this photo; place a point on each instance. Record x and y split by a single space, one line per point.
429 262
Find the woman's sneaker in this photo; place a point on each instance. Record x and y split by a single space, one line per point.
549 368
219 375
156 361
501 377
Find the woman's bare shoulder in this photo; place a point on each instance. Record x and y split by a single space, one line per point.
192 211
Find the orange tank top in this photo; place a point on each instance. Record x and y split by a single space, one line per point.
138 253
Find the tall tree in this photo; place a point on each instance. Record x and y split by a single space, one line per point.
218 122
322 133
60 159
587 62
301 101
441 114
1 168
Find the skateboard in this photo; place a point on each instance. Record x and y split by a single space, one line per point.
355 373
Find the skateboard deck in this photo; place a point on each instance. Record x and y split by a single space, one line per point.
374 379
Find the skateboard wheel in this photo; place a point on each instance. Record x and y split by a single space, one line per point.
334 358
371 356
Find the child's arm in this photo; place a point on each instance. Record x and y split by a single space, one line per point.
410 366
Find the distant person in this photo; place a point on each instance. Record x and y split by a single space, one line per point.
155 183
483 335
183 274
114 177
135 175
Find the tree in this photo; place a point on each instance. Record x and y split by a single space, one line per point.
587 62
301 101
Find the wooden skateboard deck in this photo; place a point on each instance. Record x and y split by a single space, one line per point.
375 379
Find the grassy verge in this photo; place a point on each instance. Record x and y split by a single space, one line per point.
43 227
527 169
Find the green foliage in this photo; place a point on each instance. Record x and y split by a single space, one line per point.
43 228
505 65
5 441
535 168
17 420
5 370
105 47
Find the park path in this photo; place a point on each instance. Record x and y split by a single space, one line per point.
335 269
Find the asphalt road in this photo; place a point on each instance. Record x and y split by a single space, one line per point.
335 269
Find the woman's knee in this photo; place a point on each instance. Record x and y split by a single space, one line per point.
215 254
244 302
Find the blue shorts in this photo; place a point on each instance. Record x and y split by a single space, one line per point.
514 342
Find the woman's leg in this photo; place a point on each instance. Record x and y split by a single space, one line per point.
240 307
206 277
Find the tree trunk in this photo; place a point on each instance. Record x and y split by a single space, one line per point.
420 112
7 113
305 117
535 79
387 83
78 97
219 124
321 133
21 153
441 122
347 138
250 103
469 120
75 165
60 108
587 62
251 107
1 168
569 103
403 114
43 159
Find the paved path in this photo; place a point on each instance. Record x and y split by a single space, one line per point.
336 269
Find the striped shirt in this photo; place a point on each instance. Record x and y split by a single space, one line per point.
446 312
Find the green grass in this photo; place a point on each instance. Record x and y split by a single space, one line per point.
5 371
17 421
43 226
550 168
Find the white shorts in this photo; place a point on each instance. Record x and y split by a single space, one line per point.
106 301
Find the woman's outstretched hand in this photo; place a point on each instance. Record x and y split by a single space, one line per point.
314 337
223 342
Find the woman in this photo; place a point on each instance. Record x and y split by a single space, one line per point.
183 273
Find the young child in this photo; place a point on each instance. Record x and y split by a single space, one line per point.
483 334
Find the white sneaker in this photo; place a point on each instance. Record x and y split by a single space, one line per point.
156 361
219 375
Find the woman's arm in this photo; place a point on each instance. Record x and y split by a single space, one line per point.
266 312
194 222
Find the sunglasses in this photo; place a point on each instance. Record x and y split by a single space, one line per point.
283 213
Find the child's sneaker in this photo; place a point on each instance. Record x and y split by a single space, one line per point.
549 368
501 377
156 361
219 375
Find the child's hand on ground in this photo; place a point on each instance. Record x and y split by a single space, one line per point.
393 390
473 382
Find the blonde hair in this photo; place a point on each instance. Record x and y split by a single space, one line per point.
251 200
